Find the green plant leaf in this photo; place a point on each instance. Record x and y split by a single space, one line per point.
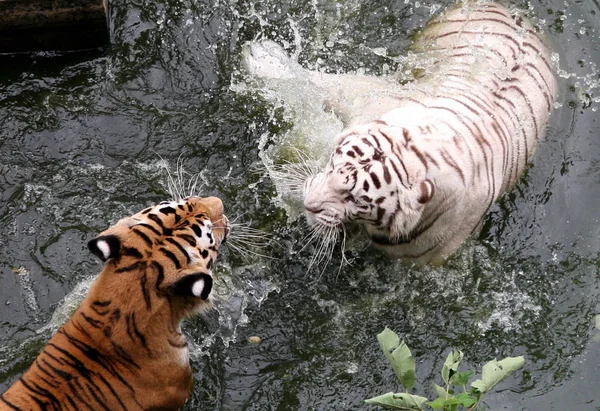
452 401
462 378
438 404
388 341
479 386
398 354
399 401
466 400
451 365
440 391
495 371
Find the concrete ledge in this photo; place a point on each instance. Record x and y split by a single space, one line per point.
36 25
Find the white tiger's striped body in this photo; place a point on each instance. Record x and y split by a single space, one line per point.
421 165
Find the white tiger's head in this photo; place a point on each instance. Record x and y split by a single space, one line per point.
370 180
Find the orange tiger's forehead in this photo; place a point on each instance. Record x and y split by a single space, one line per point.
200 217
188 232
173 213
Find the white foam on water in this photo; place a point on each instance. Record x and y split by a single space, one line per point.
285 84
280 80
510 309
67 307
24 278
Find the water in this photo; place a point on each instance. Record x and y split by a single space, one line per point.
80 140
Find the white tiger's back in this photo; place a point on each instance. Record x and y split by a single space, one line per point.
502 57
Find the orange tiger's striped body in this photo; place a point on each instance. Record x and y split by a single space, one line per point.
123 349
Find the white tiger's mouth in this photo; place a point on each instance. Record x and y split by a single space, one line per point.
328 220
323 218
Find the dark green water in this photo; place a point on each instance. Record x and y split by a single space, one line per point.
80 140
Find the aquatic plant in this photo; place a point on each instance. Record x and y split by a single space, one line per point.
454 395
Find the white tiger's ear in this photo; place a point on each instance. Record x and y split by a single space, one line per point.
427 191
105 247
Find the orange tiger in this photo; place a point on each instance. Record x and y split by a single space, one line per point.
123 349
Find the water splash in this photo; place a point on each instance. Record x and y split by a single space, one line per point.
235 291
512 310
289 89
67 307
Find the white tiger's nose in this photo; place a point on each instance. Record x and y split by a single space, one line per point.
314 210
315 190
313 199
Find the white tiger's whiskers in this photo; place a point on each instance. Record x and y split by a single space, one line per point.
309 238
324 250
343 260
291 176
326 238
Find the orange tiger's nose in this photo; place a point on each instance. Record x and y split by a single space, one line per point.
214 207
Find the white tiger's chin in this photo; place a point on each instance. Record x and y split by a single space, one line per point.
323 220
405 228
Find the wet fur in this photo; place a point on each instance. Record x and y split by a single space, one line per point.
123 349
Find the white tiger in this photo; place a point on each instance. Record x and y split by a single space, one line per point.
420 165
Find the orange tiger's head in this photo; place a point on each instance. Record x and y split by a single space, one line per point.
169 248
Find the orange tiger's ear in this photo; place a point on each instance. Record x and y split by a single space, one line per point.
427 191
194 285
105 246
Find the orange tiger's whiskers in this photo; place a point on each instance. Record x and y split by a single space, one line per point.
183 184
244 240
